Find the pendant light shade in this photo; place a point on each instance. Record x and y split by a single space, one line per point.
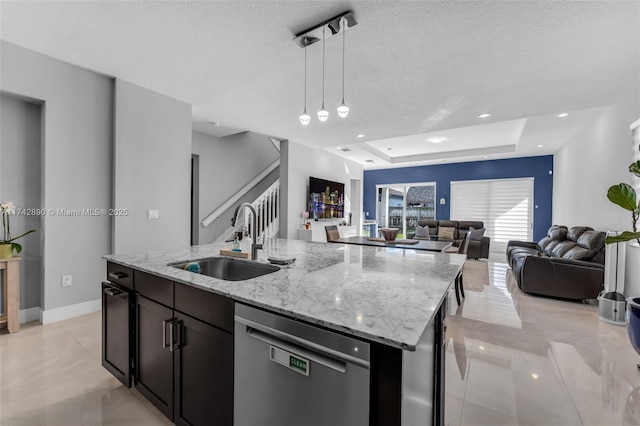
304 117
323 114
343 109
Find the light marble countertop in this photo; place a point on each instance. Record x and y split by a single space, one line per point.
385 295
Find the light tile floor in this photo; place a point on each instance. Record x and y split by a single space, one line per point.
512 359
518 359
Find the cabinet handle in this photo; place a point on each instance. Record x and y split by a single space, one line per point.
117 275
164 332
178 345
112 292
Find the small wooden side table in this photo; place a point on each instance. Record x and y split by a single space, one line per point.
11 293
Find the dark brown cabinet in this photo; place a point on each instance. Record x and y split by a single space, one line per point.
118 313
203 374
154 360
184 351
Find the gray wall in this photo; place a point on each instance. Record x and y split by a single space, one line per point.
597 157
226 165
20 182
77 172
152 169
298 162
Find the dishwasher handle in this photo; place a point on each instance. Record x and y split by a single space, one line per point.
321 354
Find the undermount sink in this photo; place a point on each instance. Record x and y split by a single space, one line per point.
227 269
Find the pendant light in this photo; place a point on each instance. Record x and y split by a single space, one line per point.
343 109
304 117
323 114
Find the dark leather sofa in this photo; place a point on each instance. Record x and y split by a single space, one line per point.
567 263
477 248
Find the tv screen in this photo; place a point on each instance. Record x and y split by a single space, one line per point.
326 199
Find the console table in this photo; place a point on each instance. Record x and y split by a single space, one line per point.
11 293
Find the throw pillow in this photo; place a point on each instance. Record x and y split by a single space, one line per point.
476 234
422 231
445 232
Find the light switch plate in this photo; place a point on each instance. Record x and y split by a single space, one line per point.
152 214
66 281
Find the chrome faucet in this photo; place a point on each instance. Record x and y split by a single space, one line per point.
254 245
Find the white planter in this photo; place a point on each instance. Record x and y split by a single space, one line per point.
632 270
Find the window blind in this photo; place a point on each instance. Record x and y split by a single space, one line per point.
504 205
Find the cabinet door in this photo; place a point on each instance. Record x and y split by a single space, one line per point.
118 332
154 359
203 367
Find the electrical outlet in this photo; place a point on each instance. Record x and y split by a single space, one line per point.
152 214
66 281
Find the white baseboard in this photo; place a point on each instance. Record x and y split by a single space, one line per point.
66 312
30 314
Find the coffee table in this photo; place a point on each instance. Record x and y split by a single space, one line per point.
420 245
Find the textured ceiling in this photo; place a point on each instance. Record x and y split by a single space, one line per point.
415 67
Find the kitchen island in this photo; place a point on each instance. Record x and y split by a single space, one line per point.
389 298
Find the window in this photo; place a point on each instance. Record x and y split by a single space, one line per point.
504 205
403 205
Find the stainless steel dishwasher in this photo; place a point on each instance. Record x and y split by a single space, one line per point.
290 373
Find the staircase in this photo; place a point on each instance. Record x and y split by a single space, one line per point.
267 206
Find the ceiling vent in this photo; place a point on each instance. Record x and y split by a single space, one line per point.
345 149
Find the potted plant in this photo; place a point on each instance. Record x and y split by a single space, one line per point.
7 243
625 196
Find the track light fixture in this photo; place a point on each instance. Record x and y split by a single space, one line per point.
318 33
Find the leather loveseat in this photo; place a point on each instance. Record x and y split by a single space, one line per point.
477 248
567 263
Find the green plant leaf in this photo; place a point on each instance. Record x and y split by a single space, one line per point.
624 196
17 247
20 236
625 236
635 168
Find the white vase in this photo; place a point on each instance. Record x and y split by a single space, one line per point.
632 270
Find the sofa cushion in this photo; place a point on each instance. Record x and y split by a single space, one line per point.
589 244
422 231
432 224
575 232
577 253
548 250
476 234
555 233
562 247
446 233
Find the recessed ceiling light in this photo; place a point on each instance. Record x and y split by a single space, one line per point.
337 147
214 124
485 156
436 139
361 135
564 114
485 115
540 146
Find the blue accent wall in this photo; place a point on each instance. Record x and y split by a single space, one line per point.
442 174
